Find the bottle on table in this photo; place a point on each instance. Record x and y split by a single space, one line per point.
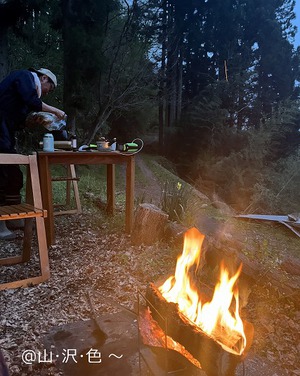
73 139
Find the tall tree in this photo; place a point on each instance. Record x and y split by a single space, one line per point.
84 26
13 12
106 69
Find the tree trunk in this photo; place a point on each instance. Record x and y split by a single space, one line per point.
179 88
149 224
67 30
162 92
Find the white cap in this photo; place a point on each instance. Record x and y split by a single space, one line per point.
47 72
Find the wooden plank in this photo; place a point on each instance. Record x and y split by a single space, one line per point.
24 282
47 196
24 209
6 211
64 178
26 206
20 211
11 260
14 159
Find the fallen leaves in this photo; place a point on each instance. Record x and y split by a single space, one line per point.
89 260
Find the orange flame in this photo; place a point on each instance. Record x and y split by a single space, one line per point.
215 318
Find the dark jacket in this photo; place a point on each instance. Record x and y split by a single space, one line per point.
18 97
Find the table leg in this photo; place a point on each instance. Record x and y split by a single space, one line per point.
110 189
130 178
47 197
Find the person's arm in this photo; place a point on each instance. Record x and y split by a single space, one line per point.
56 111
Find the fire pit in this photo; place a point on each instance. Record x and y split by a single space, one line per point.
208 332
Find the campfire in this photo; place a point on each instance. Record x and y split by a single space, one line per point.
209 332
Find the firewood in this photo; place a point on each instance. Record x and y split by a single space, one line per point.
154 336
214 360
149 224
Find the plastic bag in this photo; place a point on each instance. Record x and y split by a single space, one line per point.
45 119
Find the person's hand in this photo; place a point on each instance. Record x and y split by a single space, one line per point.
60 114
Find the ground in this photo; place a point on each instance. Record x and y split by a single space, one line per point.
95 270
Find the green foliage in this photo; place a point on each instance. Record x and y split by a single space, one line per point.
35 43
258 167
83 27
174 200
108 73
277 191
206 109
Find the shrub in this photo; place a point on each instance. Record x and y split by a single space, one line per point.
174 199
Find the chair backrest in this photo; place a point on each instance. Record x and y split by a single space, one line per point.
33 189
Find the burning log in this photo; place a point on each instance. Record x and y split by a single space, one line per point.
154 336
212 331
214 360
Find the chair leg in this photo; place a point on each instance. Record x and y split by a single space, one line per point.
27 242
11 260
43 248
44 260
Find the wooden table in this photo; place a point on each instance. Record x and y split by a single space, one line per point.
46 159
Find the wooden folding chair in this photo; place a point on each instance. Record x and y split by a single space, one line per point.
70 178
30 210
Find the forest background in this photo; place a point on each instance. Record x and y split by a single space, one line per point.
216 83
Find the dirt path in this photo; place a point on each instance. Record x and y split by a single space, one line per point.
150 189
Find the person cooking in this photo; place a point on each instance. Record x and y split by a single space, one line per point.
20 94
